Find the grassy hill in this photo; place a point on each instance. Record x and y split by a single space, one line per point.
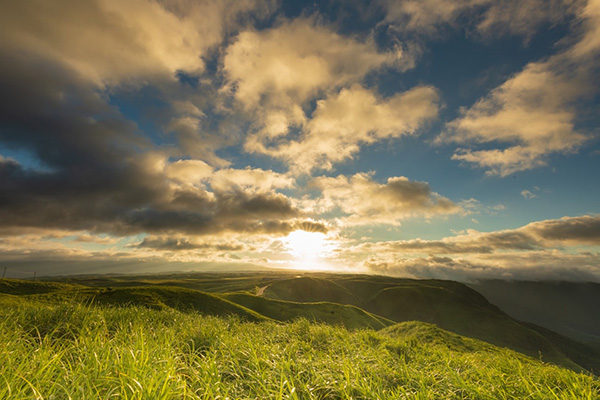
70 350
449 305
155 297
348 316
352 301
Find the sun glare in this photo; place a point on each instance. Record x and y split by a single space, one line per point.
306 246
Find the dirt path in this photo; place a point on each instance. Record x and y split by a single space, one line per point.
261 290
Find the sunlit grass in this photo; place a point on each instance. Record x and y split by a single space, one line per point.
82 352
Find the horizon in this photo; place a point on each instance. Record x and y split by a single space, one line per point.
418 139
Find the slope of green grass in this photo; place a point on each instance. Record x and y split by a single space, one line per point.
155 297
25 287
97 352
311 289
323 312
449 305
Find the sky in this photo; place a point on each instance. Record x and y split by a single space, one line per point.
451 139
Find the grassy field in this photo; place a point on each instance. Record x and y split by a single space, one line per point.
58 341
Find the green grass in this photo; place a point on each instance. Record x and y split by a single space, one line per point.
348 316
76 351
447 304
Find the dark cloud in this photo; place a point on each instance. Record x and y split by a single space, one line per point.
584 230
528 266
92 169
179 243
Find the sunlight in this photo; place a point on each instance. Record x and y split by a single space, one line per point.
310 250
306 245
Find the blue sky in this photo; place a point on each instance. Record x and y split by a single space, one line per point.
434 138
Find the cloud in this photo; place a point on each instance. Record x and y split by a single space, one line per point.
188 171
533 114
528 194
529 252
344 121
365 201
584 230
524 18
291 63
95 171
110 41
274 74
170 243
540 235
488 18
529 266
249 179
426 16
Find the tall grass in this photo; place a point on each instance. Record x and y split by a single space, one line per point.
83 352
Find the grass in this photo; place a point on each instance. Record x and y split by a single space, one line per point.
77 351
348 316
449 305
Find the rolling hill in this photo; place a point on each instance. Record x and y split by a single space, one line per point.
449 305
352 301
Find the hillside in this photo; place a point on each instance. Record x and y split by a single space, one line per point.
564 307
349 316
449 305
352 301
70 350
155 297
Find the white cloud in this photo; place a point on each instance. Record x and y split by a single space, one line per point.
539 265
347 120
253 180
289 64
366 202
274 74
188 171
533 114
528 194
426 16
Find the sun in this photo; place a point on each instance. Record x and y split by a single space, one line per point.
306 246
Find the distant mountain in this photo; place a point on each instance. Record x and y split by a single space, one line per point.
569 308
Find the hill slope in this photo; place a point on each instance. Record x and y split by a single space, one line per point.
349 316
76 351
155 297
564 307
447 304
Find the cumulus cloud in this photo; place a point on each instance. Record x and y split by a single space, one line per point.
97 172
545 265
540 235
539 250
108 41
344 121
289 64
534 113
274 74
249 179
365 201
